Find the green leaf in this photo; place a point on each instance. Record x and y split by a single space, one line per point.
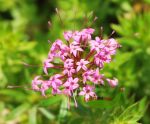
77 120
2 105
18 111
24 46
50 101
132 114
47 114
32 115
100 104
63 109
13 94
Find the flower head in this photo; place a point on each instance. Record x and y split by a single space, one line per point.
81 60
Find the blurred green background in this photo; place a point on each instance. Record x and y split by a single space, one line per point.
24 33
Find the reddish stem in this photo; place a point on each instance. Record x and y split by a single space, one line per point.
89 55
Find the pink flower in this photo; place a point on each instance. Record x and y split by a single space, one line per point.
67 91
88 30
62 55
68 63
87 75
55 81
82 64
56 91
59 49
96 44
113 83
74 49
112 43
36 83
88 93
69 71
72 83
68 35
97 78
47 65
63 52
85 34
82 36
50 56
101 58
45 86
68 67
56 46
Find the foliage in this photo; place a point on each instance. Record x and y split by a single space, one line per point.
132 31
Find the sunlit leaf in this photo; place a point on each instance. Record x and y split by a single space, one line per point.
18 111
132 114
33 115
47 113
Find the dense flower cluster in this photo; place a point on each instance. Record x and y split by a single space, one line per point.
82 58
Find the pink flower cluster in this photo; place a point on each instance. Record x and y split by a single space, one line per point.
81 60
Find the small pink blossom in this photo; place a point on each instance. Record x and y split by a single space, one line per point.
68 35
67 91
87 75
82 64
56 91
56 46
85 35
97 78
68 63
74 49
45 86
72 83
55 81
63 52
112 43
47 65
88 92
96 44
36 82
69 71
50 56
101 58
88 30
113 82
62 55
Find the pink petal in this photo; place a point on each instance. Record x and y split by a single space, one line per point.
45 71
87 96
76 80
84 67
82 93
78 68
75 53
